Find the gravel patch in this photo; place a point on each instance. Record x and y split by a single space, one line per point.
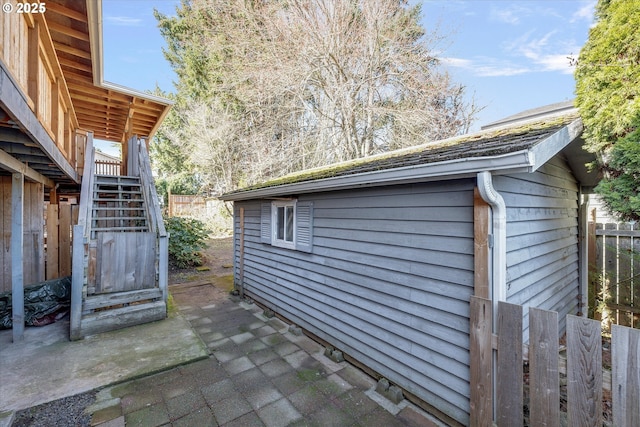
68 412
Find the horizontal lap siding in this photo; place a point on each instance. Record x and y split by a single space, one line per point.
542 239
388 282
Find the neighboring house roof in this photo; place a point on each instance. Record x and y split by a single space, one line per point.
558 108
522 147
111 112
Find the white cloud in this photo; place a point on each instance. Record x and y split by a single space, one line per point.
586 12
543 53
559 62
123 21
506 16
486 67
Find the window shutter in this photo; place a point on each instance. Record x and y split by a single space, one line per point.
265 223
304 226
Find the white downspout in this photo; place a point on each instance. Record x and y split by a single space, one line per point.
499 232
498 245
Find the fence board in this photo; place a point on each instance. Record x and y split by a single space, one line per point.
65 239
625 358
509 365
481 363
610 263
543 367
52 242
624 275
635 275
584 372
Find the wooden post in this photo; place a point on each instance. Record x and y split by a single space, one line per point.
33 61
163 262
17 273
241 260
481 231
481 362
77 282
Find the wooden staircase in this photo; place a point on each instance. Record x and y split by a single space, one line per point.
118 205
120 260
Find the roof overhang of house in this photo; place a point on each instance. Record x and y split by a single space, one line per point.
490 150
111 112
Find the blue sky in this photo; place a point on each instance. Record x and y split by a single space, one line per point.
512 55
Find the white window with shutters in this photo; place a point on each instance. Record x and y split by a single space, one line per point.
287 224
283 223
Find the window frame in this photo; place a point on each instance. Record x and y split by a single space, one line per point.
283 242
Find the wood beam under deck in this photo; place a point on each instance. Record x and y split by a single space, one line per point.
13 165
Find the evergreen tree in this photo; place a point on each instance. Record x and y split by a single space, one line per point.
607 85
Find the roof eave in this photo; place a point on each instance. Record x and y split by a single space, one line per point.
94 15
515 162
542 152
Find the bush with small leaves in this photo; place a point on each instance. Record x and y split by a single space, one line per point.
186 239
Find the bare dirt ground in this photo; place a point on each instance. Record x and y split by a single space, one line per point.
217 262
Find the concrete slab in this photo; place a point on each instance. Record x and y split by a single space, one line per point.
47 366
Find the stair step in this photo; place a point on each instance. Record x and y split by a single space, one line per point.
115 178
96 301
116 184
118 218
117 208
120 229
100 199
108 320
118 192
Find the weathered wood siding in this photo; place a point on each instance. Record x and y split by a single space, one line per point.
125 261
33 230
27 51
542 239
387 281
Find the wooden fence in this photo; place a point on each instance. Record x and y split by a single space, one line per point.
59 222
504 404
180 205
615 272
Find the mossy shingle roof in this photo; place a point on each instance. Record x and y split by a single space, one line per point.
487 143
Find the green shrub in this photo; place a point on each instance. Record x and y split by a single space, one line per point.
186 239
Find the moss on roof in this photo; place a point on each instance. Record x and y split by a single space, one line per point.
485 143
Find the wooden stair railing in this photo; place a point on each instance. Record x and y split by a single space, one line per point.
124 204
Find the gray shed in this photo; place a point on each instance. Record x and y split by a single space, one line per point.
380 256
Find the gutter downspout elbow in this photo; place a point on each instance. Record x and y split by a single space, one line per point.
499 229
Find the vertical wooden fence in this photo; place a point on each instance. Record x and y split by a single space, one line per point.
615 272
585 377
59 222
180 205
